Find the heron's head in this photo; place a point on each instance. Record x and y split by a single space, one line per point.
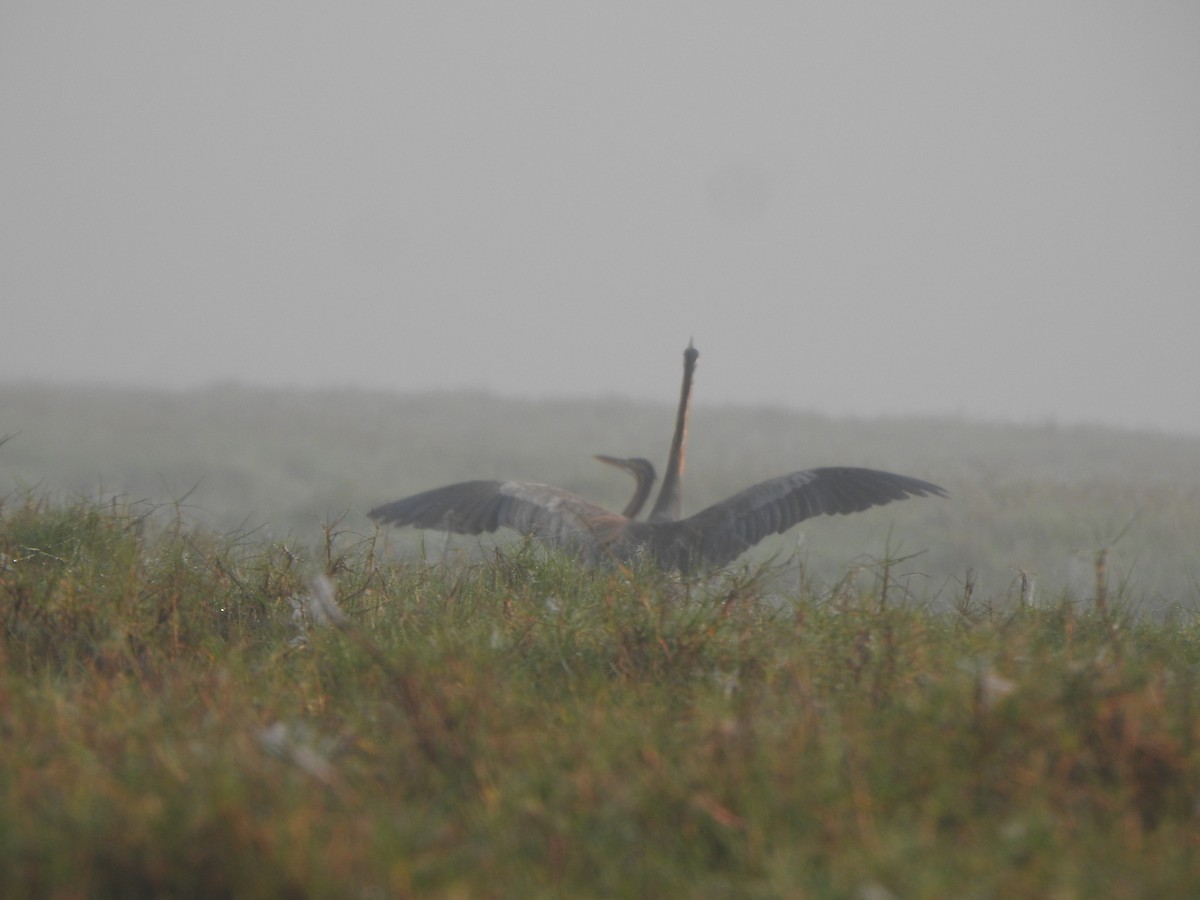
636 466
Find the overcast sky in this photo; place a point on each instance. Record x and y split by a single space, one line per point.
986 209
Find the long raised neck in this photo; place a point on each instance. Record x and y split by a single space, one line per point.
670 500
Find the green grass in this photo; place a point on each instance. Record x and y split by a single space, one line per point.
173 722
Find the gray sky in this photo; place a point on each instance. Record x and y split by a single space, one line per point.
988 209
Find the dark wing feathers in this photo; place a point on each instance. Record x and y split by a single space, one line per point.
469 507
719 534
556 517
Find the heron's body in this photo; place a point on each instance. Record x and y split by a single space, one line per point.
707 540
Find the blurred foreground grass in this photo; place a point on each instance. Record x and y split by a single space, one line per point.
181 715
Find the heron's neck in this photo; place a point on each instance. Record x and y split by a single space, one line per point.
669 504
645 482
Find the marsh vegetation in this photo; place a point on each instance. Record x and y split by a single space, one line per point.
217 679
186 714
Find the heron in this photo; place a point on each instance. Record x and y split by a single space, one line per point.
705 541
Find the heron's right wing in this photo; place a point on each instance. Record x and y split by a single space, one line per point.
555 517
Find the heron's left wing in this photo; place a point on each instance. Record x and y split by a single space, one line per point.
555 517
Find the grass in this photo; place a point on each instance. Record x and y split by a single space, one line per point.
177 721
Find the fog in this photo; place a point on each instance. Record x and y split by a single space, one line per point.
986 210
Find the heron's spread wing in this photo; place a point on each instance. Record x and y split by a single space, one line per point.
719 534
710 539
556 517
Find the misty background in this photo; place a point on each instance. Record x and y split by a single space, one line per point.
990 210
